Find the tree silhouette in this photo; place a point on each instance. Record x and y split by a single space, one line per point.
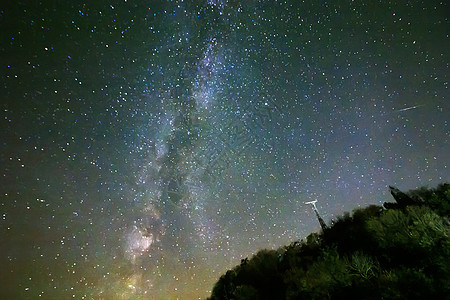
401 251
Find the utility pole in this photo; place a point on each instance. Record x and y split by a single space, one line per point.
321 221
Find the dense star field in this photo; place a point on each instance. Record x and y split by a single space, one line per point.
148 146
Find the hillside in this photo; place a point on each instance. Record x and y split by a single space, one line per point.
398 251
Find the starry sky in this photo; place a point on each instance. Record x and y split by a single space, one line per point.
148 146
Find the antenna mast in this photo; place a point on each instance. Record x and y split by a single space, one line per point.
321 221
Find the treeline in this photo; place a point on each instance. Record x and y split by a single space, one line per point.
398 251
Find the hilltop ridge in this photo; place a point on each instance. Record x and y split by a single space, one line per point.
400 250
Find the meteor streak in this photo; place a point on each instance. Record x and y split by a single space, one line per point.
399 110
408 108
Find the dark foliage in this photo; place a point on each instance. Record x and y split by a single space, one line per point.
401 251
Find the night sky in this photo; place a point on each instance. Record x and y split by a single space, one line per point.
148 146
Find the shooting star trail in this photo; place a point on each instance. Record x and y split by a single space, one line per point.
409 108
399 110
